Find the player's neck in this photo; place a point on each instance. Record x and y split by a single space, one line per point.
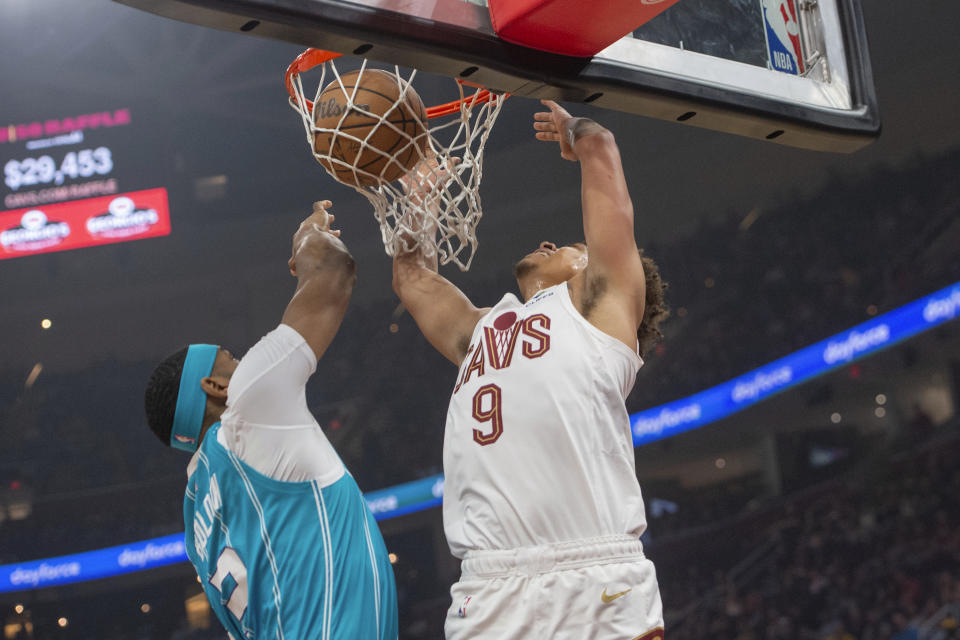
530 287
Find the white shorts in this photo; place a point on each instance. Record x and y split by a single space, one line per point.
596 589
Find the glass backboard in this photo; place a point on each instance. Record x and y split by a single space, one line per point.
796 72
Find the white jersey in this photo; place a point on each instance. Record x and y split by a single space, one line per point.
537 448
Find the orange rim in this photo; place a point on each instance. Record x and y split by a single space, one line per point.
310 58
304 62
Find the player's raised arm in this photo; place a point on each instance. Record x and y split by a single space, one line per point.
607 208
446 316
325 273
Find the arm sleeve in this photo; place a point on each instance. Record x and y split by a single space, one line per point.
269 385
267 423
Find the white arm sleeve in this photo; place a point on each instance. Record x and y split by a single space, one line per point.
267 423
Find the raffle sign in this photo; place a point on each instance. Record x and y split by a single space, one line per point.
84 223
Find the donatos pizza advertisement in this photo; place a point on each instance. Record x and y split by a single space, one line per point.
84 223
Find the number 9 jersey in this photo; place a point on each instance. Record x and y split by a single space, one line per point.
537 446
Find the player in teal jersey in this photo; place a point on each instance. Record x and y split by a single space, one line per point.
279 533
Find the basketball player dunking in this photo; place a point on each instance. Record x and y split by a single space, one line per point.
277 529
541 499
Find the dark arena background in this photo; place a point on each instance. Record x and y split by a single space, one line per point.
797 429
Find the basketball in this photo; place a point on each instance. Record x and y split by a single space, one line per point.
360 137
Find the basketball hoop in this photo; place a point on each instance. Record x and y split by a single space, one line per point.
440 219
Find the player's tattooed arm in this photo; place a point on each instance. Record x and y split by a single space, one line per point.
446 316
326 274
559 126
577 128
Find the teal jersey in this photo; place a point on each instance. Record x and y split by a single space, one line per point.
280 559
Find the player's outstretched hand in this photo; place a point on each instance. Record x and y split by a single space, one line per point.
552 126
318 221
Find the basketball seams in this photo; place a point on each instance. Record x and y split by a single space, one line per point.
336 153
389 99
404 131
388 153
377 120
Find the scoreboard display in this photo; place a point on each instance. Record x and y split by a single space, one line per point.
75 181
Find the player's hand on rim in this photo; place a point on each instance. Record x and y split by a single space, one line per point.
553 126
318 221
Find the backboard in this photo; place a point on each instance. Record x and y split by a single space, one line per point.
795 72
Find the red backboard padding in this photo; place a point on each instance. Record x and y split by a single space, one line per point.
571 27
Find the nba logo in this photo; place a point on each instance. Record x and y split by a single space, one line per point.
782 28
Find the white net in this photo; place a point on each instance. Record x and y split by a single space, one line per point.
434 208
